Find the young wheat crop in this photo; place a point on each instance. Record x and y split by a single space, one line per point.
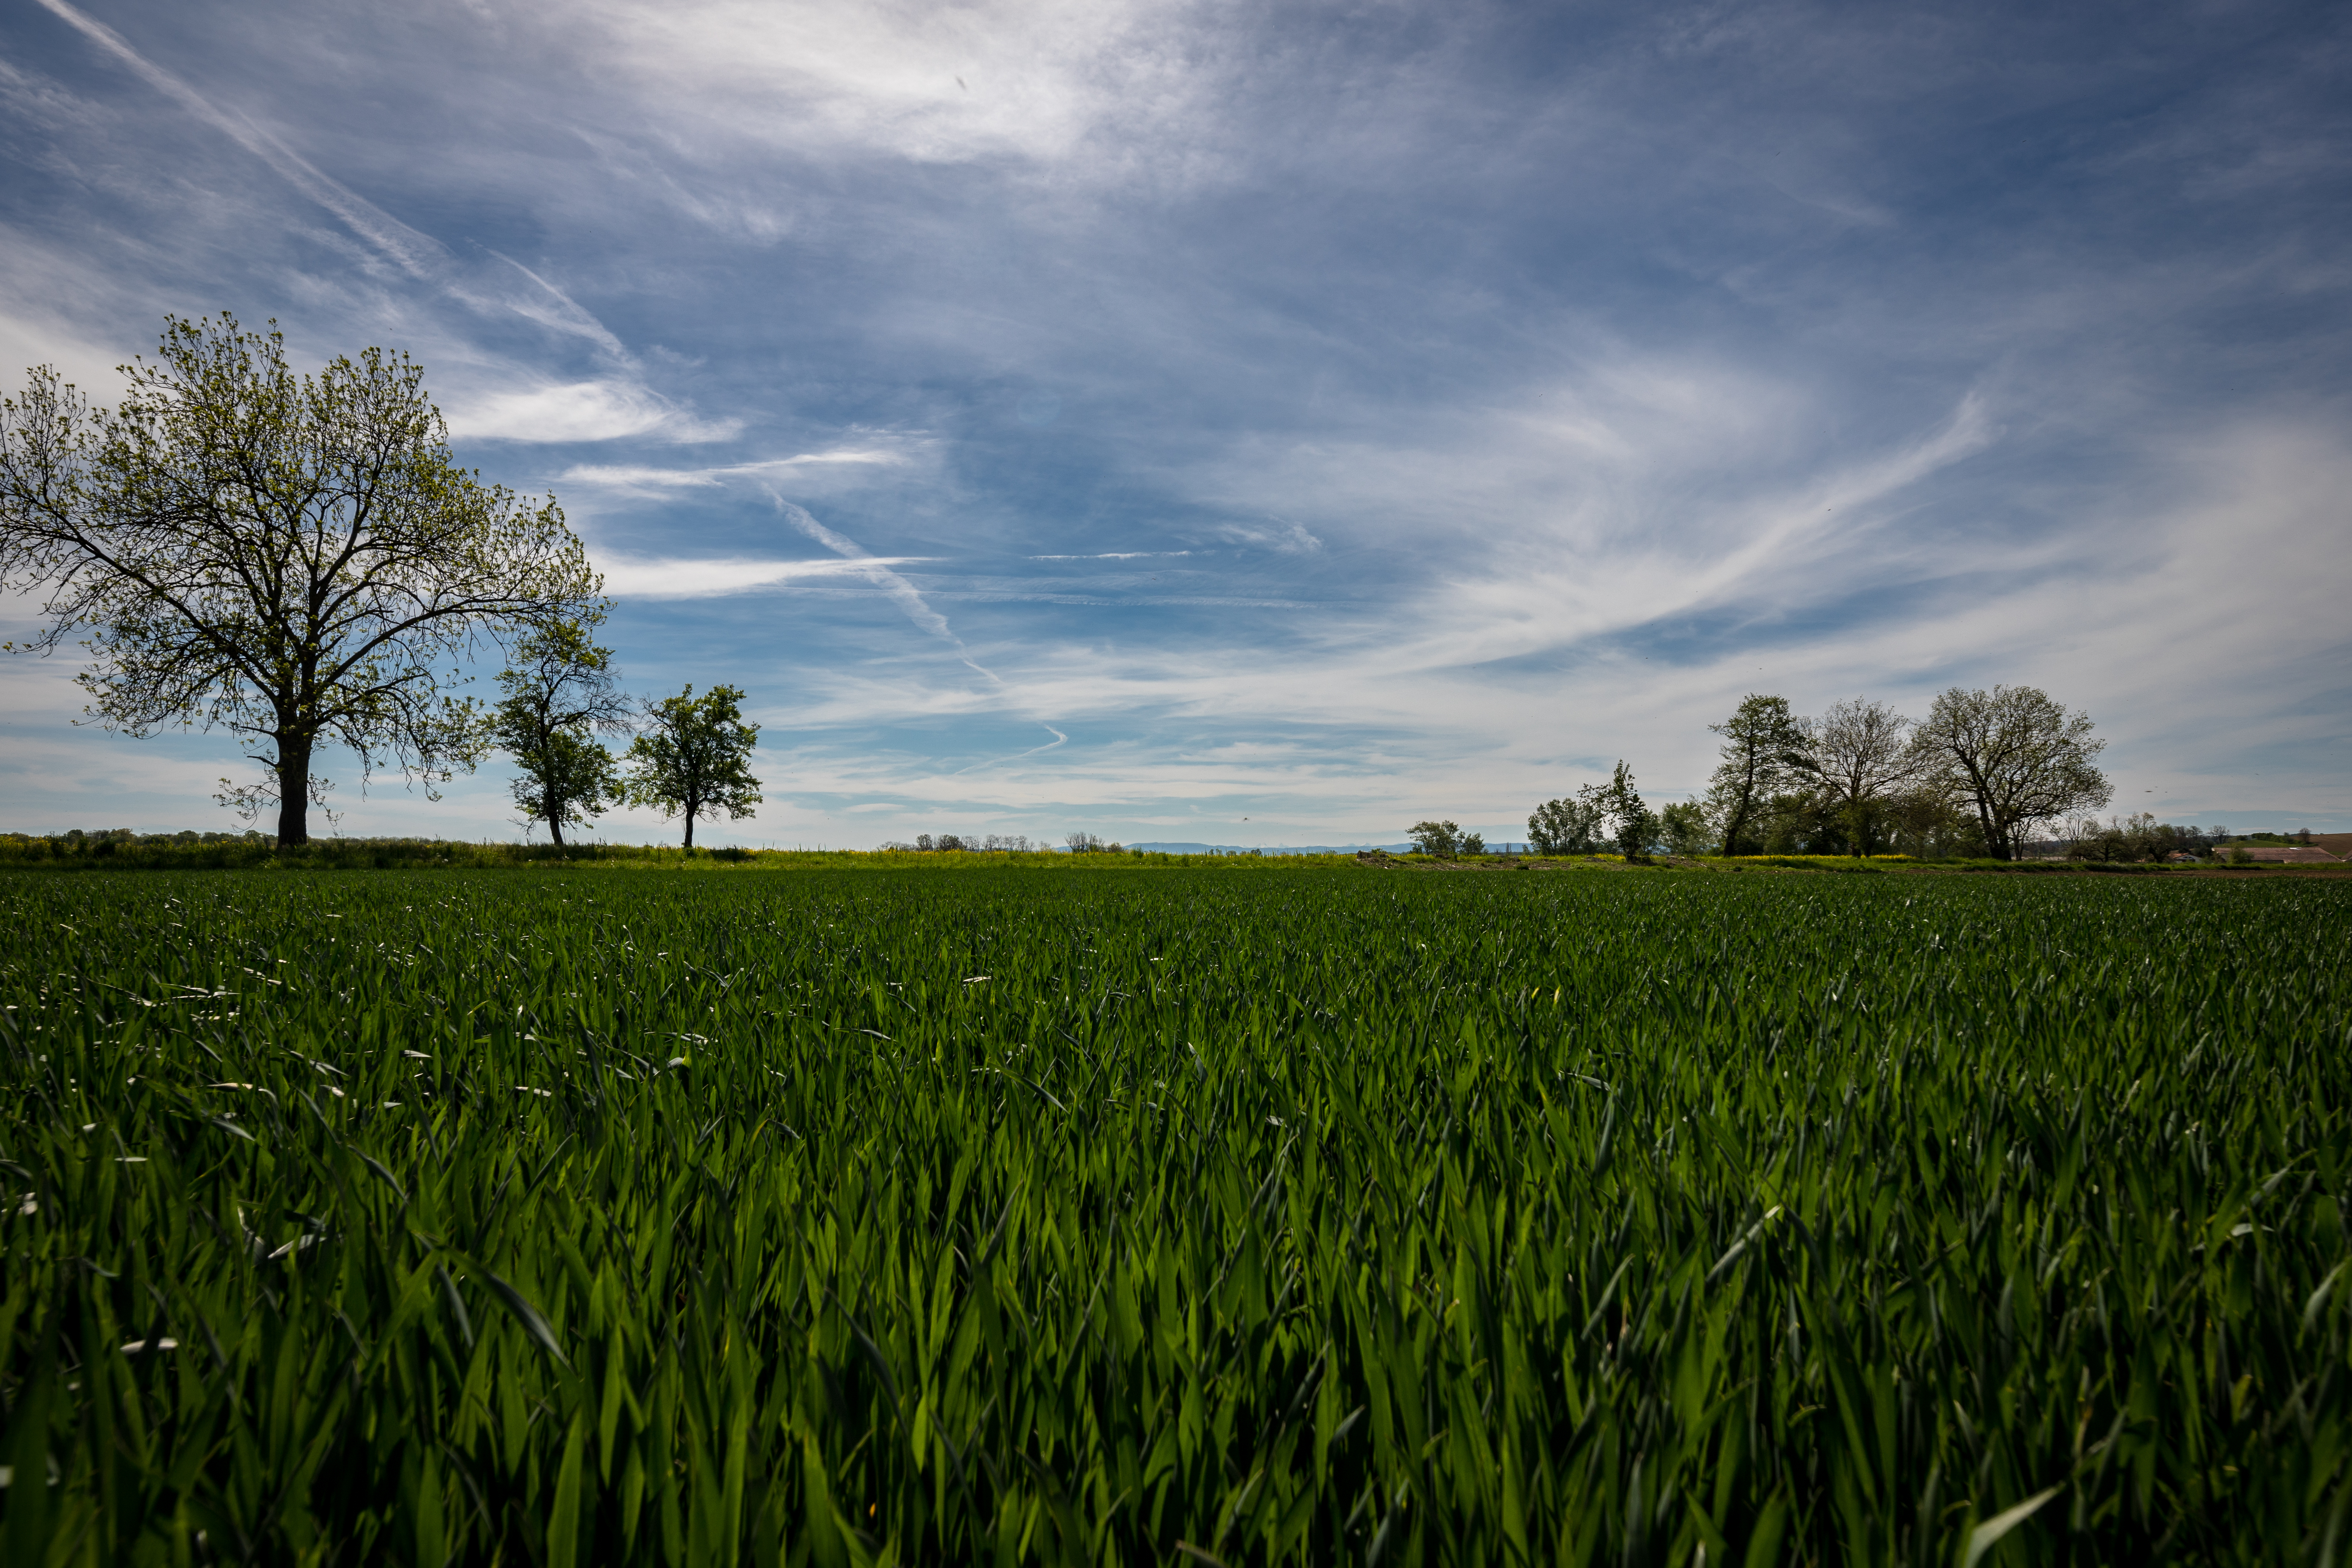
574 1217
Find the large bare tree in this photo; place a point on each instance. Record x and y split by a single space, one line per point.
1858 754
296 560
2019 756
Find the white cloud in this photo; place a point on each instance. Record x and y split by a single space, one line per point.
1116 555
581 410
2147 631
636 477
1283 538
27 340
1030 79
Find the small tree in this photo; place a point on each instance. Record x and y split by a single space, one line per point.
1083 844
2017 756
1761 743
297 561
1473 844
1637 829
692 759
560 693
1441 839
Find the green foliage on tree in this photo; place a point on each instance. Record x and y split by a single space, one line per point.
692 761
297 560
1570 825
1685 827
560 694
1596 814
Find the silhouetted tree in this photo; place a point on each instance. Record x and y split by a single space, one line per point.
693 758
2019 757
560 694
1854 756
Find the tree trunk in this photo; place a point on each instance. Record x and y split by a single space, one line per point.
690 806
555 827
293 790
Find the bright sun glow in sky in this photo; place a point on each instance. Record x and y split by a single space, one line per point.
1140 417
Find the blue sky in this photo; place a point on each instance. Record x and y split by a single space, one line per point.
1278 423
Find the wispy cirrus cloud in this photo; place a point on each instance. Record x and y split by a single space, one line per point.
417 254
582 411
613 407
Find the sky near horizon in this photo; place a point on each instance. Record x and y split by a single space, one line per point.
1276 423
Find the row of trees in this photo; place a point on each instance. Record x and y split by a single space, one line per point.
689 758
1009 843
2139 837
299 560
1978 773
1445 840
1614 814
1982 771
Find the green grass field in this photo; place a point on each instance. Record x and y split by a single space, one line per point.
1173 1216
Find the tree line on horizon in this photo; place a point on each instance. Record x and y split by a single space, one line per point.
1973 779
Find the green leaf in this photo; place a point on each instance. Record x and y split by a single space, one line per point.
1988 1535
525 1313
563 1518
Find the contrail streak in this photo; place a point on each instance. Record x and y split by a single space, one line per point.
419 254
902 592
913 604
1059 739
